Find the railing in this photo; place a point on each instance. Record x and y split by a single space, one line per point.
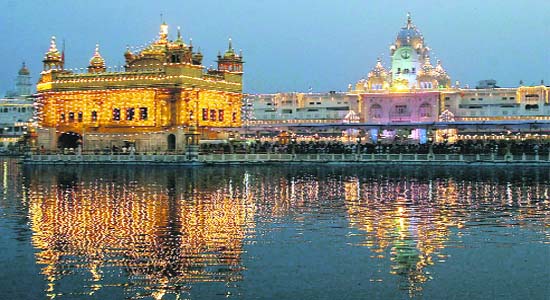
283 157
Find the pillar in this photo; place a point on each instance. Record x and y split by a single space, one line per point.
192 143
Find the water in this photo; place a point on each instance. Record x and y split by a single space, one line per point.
274 232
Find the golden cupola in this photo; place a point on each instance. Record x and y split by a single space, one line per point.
197 57
230 61
179 43
53 59
97 63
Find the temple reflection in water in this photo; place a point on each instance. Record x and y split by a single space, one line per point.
162 234
153 232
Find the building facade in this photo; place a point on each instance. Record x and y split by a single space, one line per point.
524 103
162 92
410 94
300 108
16 111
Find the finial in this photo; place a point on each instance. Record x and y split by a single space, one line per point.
179 33
190 42
230 44
409 20
96 53
53 46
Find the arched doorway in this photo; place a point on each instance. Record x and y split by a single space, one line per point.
69 140
171 142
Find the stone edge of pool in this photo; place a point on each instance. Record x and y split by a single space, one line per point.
252 159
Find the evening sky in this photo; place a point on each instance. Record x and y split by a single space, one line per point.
290 45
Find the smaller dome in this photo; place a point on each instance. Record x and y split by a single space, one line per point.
179 40
24 70
378 70
97 61
230 53
197 58
128 53
198 54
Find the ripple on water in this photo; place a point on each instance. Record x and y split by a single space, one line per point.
155 233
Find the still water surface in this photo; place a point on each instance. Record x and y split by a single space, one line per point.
274 232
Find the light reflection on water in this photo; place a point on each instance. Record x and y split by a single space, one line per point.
166 233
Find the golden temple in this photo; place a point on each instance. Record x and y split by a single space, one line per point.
163 90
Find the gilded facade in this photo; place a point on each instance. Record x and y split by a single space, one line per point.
162 92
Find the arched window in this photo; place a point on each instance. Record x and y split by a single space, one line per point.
425 110
375 111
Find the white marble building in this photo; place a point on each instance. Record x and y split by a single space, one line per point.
16 110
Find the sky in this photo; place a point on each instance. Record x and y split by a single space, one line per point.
289 45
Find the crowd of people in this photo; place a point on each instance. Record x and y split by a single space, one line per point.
336 147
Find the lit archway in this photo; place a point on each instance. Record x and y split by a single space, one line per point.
69 140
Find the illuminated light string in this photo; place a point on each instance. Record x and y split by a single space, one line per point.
154 78
126 94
